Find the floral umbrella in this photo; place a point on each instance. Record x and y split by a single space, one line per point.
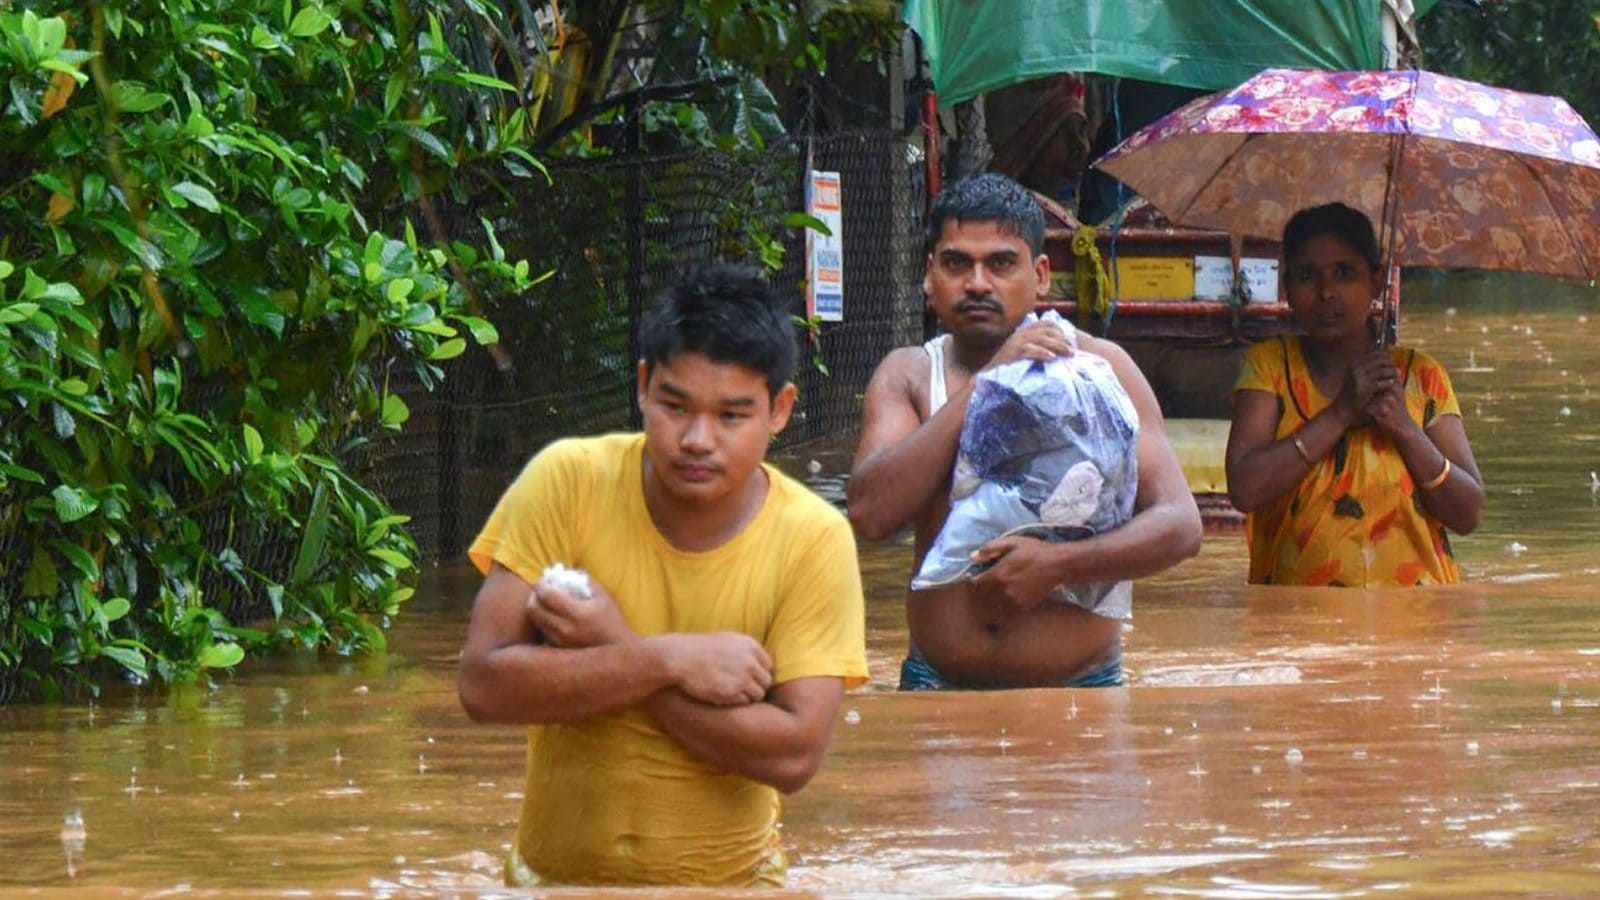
1454 173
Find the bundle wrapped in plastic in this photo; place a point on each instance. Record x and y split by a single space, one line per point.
1049 449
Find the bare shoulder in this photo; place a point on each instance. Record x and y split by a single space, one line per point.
1111 351
904 371
1127 370
911 360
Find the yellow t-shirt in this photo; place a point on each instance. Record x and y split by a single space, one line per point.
1354 519
614 799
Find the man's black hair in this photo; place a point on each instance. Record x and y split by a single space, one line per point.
728 313
988 197
1334 220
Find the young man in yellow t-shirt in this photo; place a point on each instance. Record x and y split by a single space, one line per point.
705 671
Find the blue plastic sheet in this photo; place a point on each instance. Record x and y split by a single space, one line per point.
1048 450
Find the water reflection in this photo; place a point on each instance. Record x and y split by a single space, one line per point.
1273 741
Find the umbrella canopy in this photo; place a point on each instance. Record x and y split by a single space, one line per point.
1455 174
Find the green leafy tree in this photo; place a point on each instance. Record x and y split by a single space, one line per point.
217 249
720 55
1544 46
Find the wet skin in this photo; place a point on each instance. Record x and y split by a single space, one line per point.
1331 289
981 279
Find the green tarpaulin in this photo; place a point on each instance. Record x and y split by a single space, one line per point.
973 46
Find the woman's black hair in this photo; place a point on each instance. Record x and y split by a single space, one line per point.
728 313
1335 220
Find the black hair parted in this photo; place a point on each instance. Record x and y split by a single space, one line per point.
727 312
1337 220
988 197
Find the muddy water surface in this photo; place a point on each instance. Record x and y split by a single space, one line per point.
1271 742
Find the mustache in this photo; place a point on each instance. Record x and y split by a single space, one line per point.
986 303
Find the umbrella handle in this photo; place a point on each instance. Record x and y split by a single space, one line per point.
1386 326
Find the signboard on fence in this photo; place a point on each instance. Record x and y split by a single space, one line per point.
825 252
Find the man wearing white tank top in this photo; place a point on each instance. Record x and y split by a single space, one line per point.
986 269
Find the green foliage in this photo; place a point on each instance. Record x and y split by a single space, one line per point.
732 50
784 37
1543 46
210 275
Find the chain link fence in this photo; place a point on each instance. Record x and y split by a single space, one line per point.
613 233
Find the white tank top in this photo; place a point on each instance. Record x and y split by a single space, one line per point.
936 390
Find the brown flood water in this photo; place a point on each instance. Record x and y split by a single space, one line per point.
1272 742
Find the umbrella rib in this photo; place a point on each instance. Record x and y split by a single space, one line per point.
1556 214
1216 171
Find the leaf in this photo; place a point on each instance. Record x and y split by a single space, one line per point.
435 32
801 220
309 21
36 288
263 39
133 97
494 241
59 206
41 579
253 445
17 312
52 182
421 314
73 504
198 195
128 657
149 254
383 524
485 81
398 290
259 310
397 560
79 558
115 608
62 86
6 269
372 251
20 473
395 412
429 143
482 330
449 349
66 426
94 188
51 37
61 65
309 555
198 126
528 158
430 325
395 89
220 656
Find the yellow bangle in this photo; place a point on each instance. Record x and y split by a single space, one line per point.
1300 447
1439 478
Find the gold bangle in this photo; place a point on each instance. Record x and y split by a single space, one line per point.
1300 447
1439 478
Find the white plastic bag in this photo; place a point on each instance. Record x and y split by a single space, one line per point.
1048 450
